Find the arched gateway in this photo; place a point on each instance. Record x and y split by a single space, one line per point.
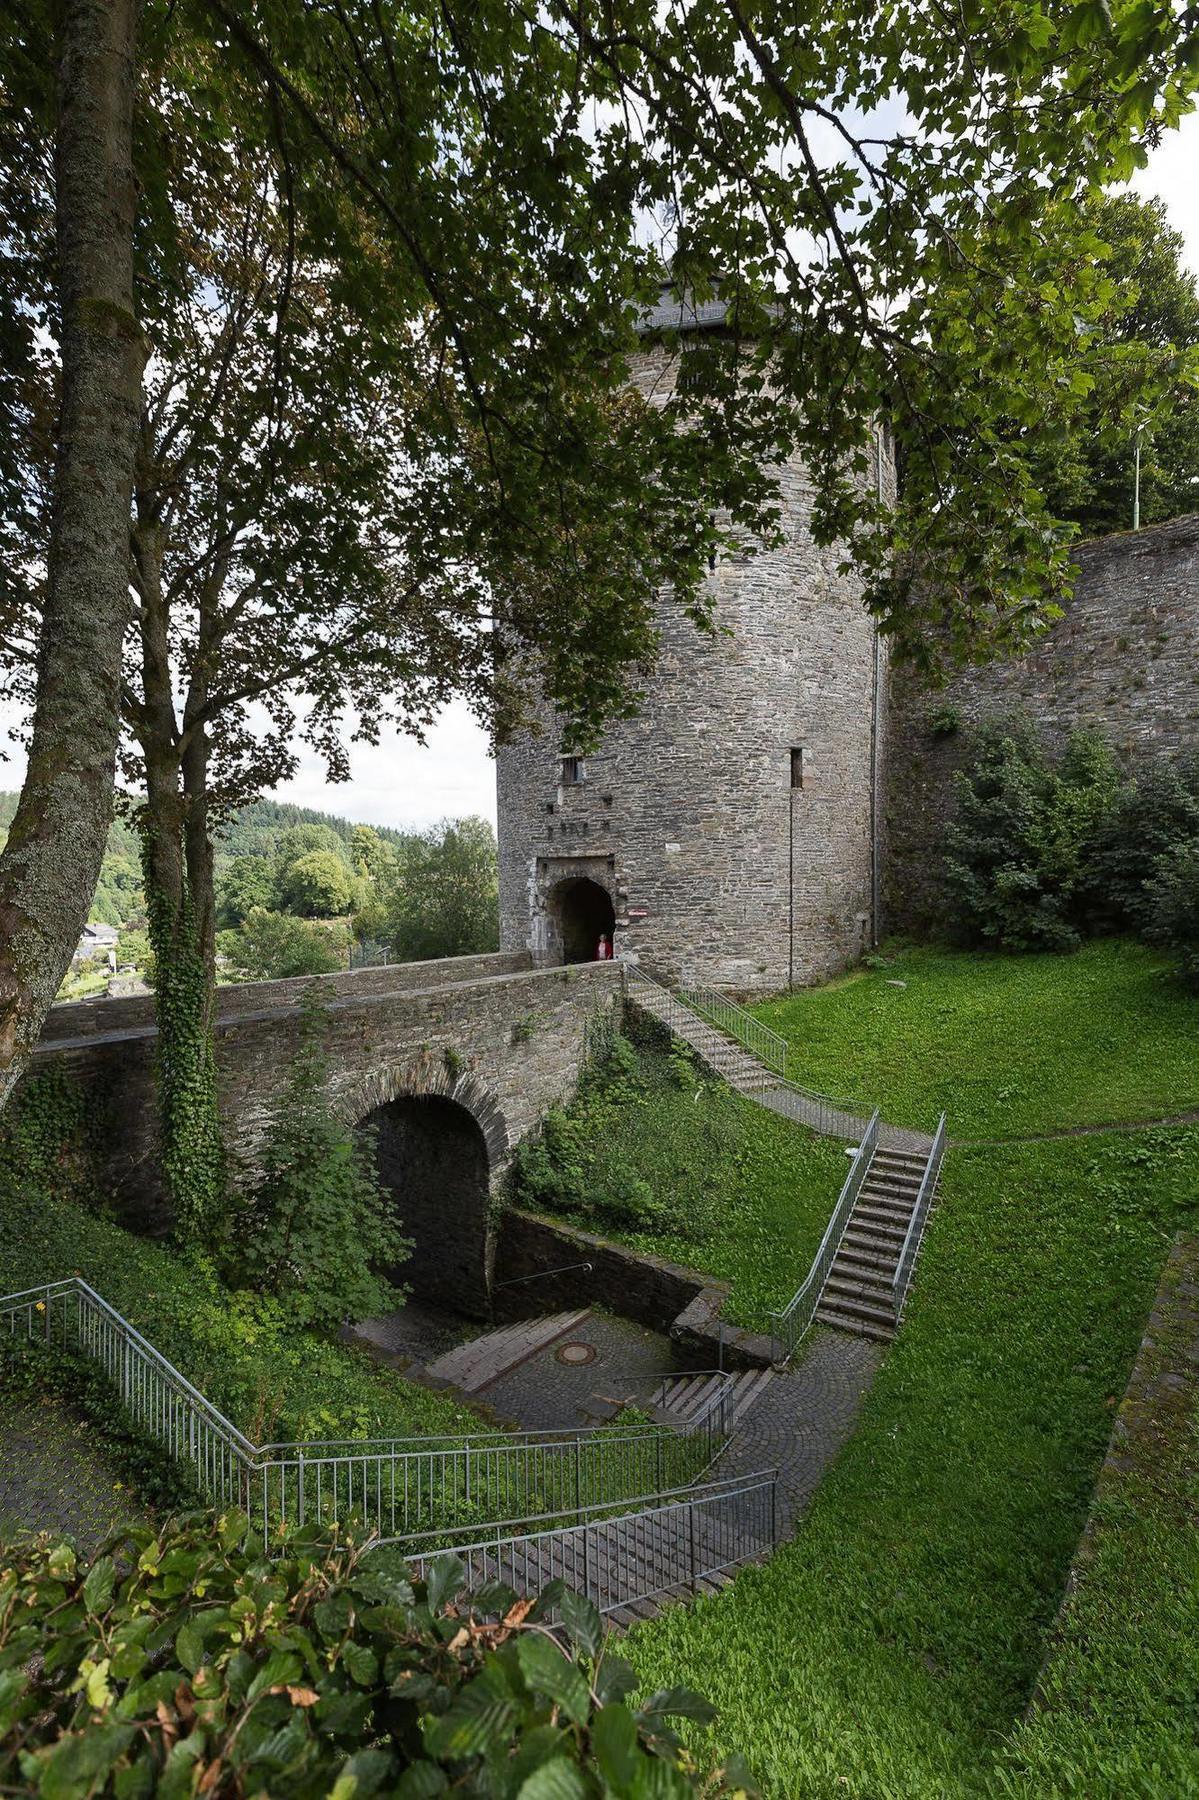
579 912
439 1139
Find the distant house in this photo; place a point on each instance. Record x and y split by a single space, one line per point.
97 940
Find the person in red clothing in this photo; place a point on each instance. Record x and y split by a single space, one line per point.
603 950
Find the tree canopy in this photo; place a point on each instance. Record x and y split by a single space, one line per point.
1142 358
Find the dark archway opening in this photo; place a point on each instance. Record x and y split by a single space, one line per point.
582 912
431 1154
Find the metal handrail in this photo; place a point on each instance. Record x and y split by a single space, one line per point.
924 1198
397 1487
826 1114
789 1323
767 1045
617 1562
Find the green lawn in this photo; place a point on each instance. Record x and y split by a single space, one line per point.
889 1648
1007 1045
1118 1705
661 1157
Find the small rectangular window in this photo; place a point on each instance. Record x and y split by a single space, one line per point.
572 771
797 768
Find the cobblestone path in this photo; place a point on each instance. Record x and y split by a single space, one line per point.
803 1419
51 1477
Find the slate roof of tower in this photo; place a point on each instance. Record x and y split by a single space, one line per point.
680 313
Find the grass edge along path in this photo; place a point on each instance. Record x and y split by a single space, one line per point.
888 1648
1116 1707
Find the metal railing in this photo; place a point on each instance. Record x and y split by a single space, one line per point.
671 1547
789 1324
397 1487
820 1112
767 1046
915 1231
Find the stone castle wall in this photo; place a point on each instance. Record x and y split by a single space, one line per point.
504 1045
719 870
1124 658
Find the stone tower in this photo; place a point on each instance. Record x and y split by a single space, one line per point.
728 835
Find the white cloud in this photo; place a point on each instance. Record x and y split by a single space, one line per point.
402 783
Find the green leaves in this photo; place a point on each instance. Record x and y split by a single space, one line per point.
315 1674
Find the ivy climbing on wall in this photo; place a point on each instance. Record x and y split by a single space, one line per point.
194 1162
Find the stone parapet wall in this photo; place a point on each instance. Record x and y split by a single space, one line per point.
97 1018
1124 658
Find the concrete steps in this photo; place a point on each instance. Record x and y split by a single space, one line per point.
721 1054
474 1366
633 1565
858 1295
687 1396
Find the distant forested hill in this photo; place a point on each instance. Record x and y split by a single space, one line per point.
254 831
257 828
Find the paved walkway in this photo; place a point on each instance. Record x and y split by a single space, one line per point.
52 1478
546 1393
820 1115
804 1418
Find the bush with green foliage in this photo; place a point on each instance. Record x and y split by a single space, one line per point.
439 895
1041 852
272 946
189 1661
316 1228
1153 817
1173 908
1017 848
658 1153
249 881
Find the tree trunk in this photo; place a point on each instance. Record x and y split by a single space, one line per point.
49 868
175 854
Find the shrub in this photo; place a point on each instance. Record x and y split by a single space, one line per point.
1150 820
272 946
316 1225
188 1662
1173 908
319 885
1018 850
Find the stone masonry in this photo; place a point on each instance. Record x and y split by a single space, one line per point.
1123 658
489 1042
721 865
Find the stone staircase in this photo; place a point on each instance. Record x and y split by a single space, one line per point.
685 1397
633 1565
473 1366
858 1295
721 1053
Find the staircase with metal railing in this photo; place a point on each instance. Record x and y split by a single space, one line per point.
860 1276
619 1512
748 1055
398 1488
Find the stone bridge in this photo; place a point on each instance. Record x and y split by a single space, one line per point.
450 1063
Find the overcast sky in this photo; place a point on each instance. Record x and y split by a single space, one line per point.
402 783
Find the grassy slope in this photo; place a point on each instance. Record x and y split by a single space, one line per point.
1118 1707
1007 1045
747 1194
274 1382
886 1649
